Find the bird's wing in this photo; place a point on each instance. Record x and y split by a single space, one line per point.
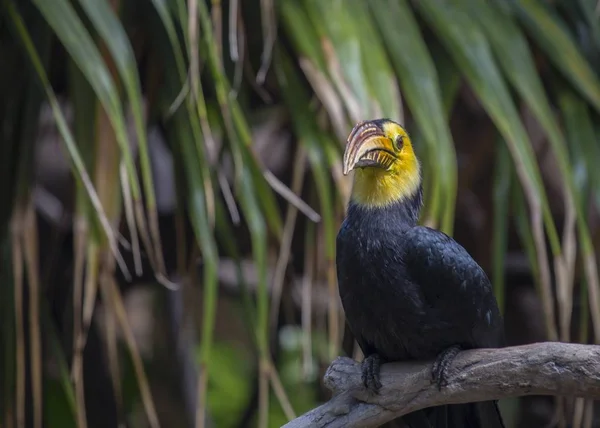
452 282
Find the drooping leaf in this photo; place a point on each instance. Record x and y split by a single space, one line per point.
342 48
113 34
420 87
184 128
584 142
375 63
543 27
69 28
312 140
503 175
67 137
239 135
470 50
512 50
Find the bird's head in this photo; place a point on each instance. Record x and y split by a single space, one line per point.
386 167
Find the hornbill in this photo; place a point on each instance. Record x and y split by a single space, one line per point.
409 292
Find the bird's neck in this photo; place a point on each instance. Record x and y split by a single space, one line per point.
402 213
379 188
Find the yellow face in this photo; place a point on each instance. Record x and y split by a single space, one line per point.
386 167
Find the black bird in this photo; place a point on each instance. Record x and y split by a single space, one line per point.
409 292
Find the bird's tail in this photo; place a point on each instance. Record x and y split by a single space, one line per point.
488 414
484 414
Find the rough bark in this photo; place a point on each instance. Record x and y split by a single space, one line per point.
549 368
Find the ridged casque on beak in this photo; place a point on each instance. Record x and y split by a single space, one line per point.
368 146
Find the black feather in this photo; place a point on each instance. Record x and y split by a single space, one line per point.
410 292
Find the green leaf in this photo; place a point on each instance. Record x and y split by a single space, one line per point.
309 135
67 137
584 144
67 26
471 53
449 77
230 383
420 87
584 148
113 34
358 65
303 34
197 119
520 215
198 214
252 192
588 12
510 46
343 52
559 47
227 238
313 141
258 232
184 127
582 140
313 57
375 63
240 140
61 408
169 26
503 175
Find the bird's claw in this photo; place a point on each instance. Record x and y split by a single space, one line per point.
370 372
441 364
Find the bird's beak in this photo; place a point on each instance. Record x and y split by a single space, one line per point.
368 146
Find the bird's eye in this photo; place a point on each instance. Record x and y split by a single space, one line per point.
399 141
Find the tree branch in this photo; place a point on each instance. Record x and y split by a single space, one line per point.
548 368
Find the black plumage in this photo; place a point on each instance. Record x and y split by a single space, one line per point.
410 293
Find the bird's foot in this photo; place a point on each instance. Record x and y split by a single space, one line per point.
370 372
442 362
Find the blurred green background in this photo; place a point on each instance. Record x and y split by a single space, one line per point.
171 189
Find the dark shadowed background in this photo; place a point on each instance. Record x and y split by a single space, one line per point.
171 189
